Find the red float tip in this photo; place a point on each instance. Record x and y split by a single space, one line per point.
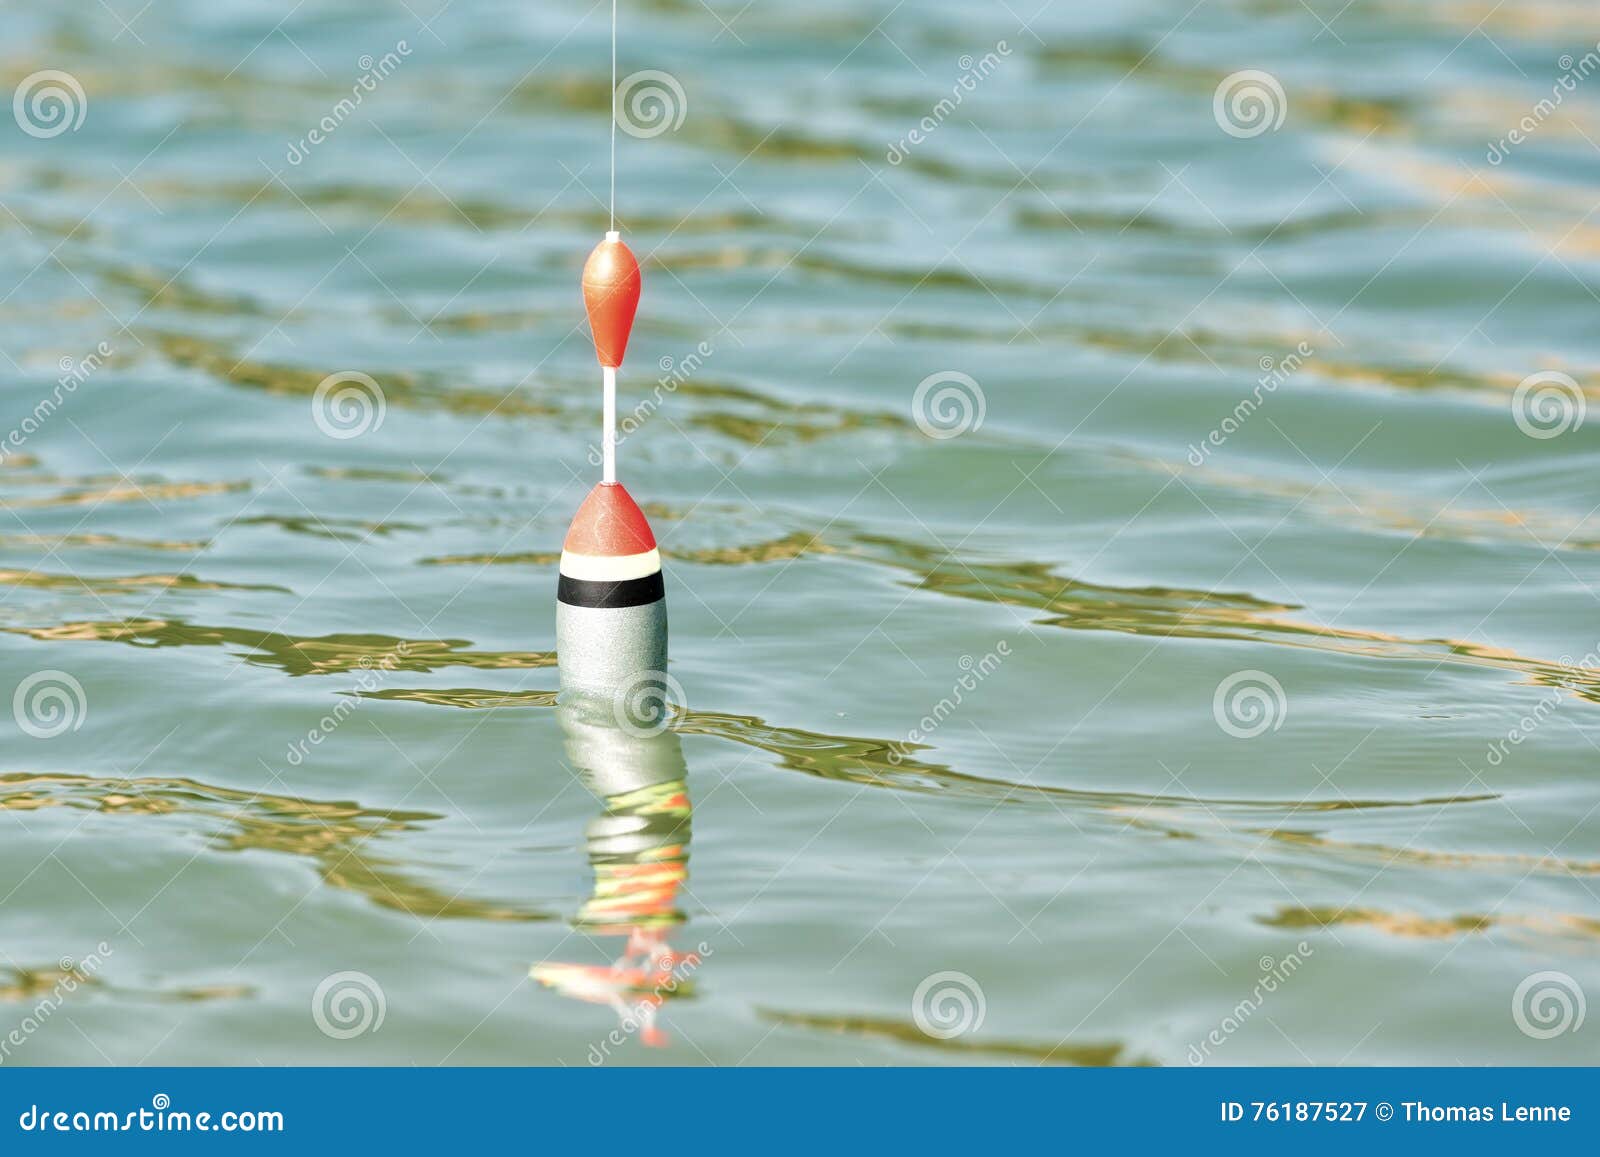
611 295
609 523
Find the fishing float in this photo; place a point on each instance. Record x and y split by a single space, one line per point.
611 609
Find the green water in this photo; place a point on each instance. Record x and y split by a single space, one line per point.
1274 747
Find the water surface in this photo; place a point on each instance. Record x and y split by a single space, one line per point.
1094 717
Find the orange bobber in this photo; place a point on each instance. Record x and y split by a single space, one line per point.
611 295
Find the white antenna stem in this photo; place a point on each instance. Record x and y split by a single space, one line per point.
608 430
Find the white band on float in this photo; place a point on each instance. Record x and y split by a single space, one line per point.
610 568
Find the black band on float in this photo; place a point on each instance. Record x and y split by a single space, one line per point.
607 594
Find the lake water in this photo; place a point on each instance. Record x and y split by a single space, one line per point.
1129 520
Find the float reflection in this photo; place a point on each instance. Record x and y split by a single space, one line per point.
638 848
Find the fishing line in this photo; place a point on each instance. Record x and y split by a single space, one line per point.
613 224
